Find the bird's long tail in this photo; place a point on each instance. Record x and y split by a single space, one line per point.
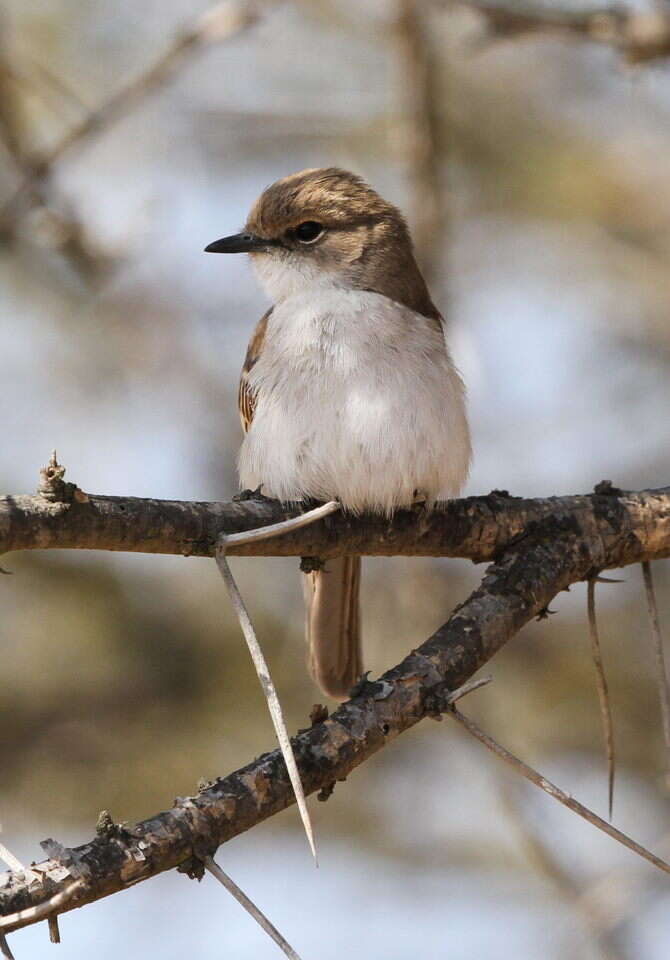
332 625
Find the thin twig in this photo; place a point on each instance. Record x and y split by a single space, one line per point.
659 655
221 22
557 793
603 692
250 907
42 910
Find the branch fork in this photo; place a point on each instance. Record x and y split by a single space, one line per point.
540 547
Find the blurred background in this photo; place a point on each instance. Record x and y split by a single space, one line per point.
533 167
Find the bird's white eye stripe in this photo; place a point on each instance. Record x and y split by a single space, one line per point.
308 231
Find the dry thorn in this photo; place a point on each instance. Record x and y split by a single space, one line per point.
42 910
469 687
250 907
659 655
530 774
603 692
256 652
15 864
268 687
4 947
318 714
54 931
284 526
12 862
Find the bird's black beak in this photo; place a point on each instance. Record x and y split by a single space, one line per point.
238 243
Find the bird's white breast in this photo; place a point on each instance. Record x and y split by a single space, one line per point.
356 399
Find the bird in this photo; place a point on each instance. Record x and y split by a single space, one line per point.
348 391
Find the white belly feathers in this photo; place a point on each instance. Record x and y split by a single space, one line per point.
356 399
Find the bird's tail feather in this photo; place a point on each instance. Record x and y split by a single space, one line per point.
333 625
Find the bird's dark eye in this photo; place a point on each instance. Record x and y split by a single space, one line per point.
309 231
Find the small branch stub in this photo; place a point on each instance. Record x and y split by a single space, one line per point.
54 931
52 487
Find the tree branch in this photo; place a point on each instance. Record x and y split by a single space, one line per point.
640 35
478 528
223 21
545 545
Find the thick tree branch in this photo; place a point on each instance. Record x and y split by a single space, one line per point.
478 528
555 547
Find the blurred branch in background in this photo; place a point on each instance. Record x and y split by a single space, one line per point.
221 22
58 226
418 134
640 35
606 904
545 860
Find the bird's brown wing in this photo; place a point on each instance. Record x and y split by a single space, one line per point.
245 396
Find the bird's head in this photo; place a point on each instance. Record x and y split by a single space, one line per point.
327 227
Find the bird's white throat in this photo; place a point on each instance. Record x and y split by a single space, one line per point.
286 274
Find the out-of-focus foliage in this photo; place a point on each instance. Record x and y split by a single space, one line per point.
124 678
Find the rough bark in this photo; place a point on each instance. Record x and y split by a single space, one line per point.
476 527
541 547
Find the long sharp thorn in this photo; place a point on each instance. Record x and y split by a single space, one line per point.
4 948
285 526
659 655
530 774
268 687
269 690
603 692
250 907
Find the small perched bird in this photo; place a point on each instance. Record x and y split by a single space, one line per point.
348 391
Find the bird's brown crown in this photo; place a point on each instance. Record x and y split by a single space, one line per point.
333 197
338 222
